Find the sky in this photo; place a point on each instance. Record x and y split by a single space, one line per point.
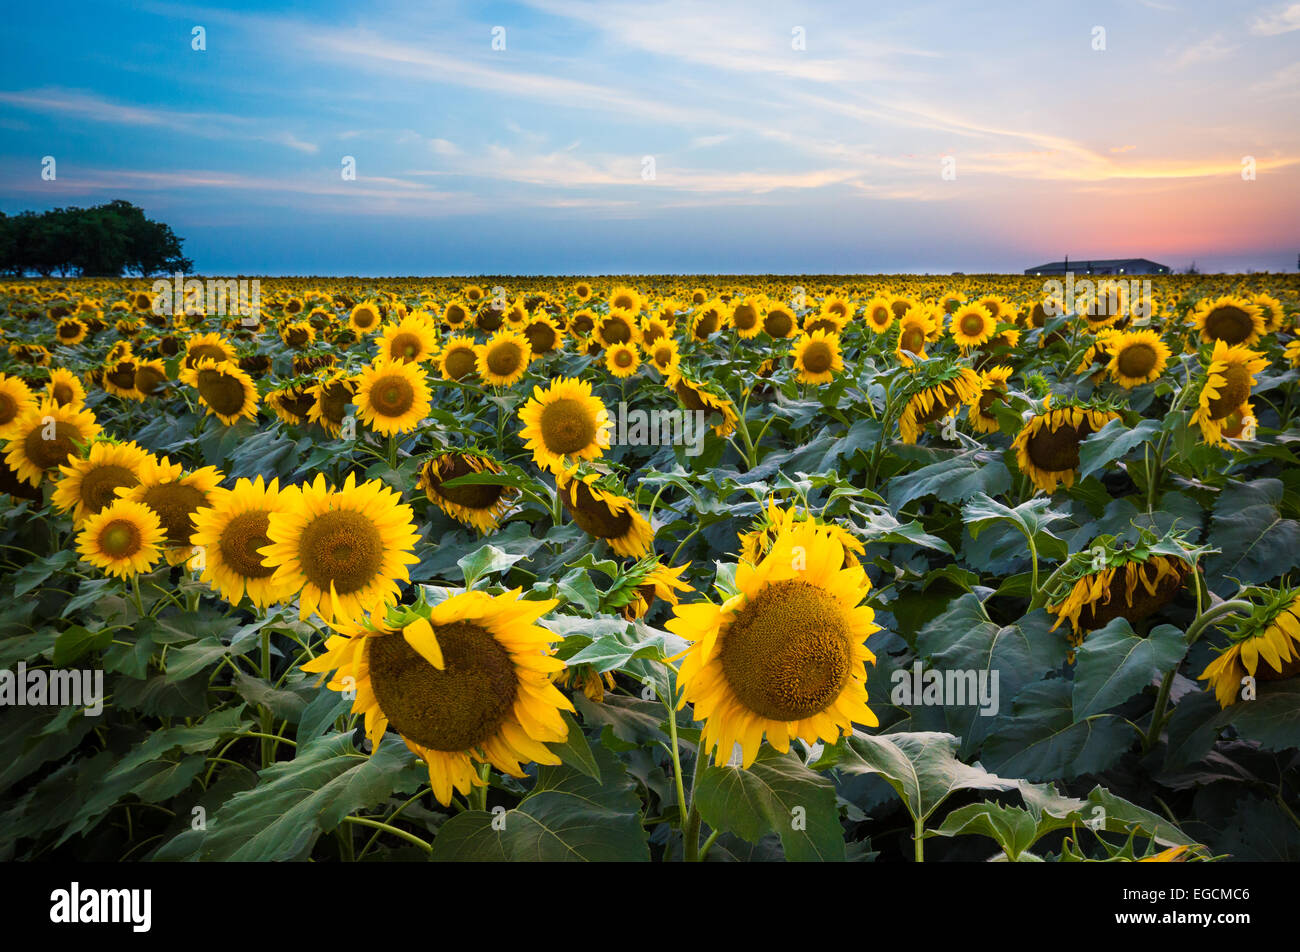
603 137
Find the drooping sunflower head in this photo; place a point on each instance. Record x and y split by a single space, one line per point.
817 357
70 331
229 534
1264 646
599 504
175 495
226 391
45 437
481 505
564 422
343 551
702 396
1137 357
708 320
292 402
123 538
1232 320
298 334
1047 447
90 482
583 323
392 396
972 325
1227 387
785 655
773 520
938 389
1272 311
458 359
503 360
994 384
467 680
637 587
1115 579
830 321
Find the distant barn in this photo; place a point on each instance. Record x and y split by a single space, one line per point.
1102 266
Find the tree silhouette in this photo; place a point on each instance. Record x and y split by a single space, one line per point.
104 241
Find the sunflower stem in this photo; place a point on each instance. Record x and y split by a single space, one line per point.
918 838
387 828
479 793
677 757
1214 613
1158 713
268 719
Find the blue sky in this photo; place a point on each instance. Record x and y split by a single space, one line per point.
767 158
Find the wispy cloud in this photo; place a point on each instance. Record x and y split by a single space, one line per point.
1279 20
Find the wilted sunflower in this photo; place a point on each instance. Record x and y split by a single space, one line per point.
364 318
972 325
298 334
392 397
1047 447
774 520
786 655
994 384
698 395
1109 581
16 399
208 347
333 394
663 354
1270 634
343 551
91 482
46 437
939 393
1231 320
779 322
622 360
480 505
462 681
564 422
1228 382
122 539
174 495
1137 357
504 359
65 388
817 357
458 358
230 532
226 391
601 508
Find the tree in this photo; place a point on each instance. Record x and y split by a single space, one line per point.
106 240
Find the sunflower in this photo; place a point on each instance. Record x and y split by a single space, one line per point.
458 358
786 655
333 394
504 359
913 333
1270 634
582 291
174 495
119 378
1241 423
480 505
543 334
817 357
708 320
564 422
697 396
473 293
91 482
993 390
626 299
655 328
663 355
1047 447
455 314
45 437
229 533
392 397
599 506
646 581
774 520
1134 585
1231 320
622 360
226 391
746 319
123 539
208 346
364 318
16 399
1270 308
617 327
1227 386
779 322
343 551
411 340
972 325
298 334
934 397
879 315
583 323
65 388
70 331
1137 357
466 680
291 403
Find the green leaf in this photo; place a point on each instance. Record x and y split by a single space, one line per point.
566 817
951 480
1113 441
484 561
1255 543
1272 719
777 794
1114 664
1040 739
575 751
77 641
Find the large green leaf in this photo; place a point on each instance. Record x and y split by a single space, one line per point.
1114 664
1255 543
1040 738
951 480
1113 441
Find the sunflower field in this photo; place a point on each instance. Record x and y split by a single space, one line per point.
680 568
